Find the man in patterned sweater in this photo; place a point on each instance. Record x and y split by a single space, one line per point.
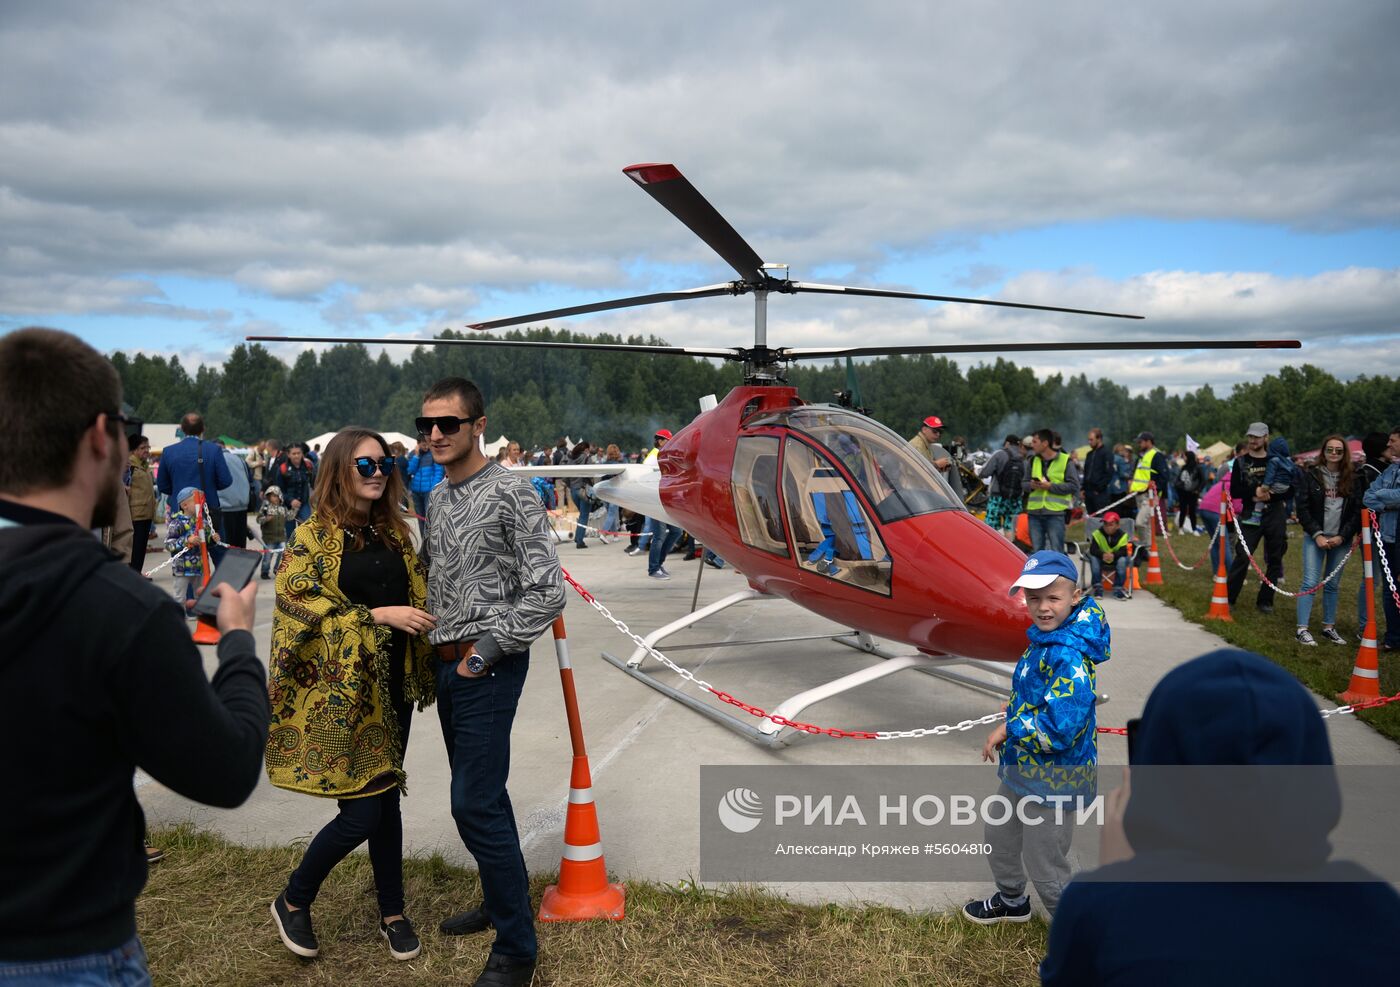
495 585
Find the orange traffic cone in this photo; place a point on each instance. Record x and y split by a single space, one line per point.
1365 675
583 891
1154 562
1220 593
205 632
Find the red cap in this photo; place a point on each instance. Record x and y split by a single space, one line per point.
933 421
663 433
1111 516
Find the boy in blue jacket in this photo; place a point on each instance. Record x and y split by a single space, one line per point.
1049 742
1278 477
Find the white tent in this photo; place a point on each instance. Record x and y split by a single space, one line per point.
491 448
390 437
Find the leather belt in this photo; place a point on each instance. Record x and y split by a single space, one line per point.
453 650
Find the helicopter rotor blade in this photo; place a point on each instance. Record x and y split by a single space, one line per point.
721 354
841 289
833 352
707 291
666 184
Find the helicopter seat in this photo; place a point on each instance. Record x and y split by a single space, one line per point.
845 532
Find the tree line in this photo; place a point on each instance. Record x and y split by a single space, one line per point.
537 395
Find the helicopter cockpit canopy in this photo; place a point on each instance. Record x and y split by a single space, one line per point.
898 481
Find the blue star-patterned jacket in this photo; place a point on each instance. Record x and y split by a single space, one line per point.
1051 737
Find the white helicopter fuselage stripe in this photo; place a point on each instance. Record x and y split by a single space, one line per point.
634 486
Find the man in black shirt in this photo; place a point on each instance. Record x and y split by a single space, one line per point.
1098 473
1247 484
100 675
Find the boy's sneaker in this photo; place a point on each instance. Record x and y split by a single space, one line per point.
1304 637
295 928
403 942
1330 634
1253 519
1118 594
995 909
1098 593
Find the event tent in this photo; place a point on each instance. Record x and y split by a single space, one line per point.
1218 452
390 437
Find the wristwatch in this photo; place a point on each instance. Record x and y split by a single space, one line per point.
476 664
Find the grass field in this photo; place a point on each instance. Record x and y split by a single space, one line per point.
1326 669
204 920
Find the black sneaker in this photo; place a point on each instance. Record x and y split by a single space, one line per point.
466 924
295 928
1265 608
403 942
1330 634
995 909
501 971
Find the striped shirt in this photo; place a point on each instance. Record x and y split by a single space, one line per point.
493 574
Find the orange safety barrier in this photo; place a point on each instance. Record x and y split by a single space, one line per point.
1154 562
583 891
205 631
1220 592
1366 674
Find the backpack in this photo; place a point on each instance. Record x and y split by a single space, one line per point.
1187 481
1009 477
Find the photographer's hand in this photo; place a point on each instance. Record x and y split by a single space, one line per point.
237 608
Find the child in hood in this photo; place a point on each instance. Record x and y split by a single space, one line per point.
1278 477
272 521
1049 742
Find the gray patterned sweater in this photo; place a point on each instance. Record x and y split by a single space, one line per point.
493 573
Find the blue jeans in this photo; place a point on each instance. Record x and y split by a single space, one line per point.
585 508
476 716
1212 521
124 966
1317 563
372 818
302 513
663 540
610 519
1047 532
1120 572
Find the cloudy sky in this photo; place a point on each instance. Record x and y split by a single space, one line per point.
175 176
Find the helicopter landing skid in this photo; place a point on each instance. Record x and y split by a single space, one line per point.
769 734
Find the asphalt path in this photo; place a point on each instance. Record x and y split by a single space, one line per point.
646 750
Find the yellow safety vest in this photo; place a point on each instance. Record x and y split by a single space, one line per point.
1044 499
651 456
1101 542
1142 475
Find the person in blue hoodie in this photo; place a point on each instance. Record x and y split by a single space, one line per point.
1048 743
1222 875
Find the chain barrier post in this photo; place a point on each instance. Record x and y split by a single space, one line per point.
1154 561
1220 592
583 891
1365 675
205 631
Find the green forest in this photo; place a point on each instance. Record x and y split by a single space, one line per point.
535 396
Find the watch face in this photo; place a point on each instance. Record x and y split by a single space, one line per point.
476 664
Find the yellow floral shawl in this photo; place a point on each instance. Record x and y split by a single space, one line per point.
334 732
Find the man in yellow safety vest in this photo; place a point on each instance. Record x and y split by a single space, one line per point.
1151 468
1053 482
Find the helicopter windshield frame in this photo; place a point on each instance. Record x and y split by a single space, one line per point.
895 480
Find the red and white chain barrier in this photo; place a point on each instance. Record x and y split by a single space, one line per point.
1108 507
1244 547
810 728
1166 537
1379 547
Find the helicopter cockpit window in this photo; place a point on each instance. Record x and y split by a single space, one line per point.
898 481
754 483
830 531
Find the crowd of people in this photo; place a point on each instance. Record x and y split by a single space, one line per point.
1261 485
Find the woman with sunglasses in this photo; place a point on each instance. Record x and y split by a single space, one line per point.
350 659
1330 516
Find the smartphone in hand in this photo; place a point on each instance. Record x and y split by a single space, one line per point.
236 569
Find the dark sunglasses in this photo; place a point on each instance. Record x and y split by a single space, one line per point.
1336 449
446 424
366 465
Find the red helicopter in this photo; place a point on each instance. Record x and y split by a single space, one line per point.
817 504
